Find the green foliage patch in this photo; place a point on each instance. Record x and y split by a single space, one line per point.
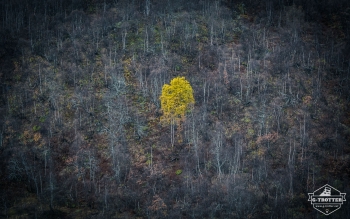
36 128
178 172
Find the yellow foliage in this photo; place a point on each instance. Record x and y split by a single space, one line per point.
176 99
37 137
307 100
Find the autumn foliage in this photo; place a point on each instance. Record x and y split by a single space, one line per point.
176 99
173 109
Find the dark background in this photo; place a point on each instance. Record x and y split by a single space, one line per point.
79 108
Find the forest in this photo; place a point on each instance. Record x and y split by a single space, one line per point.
81 131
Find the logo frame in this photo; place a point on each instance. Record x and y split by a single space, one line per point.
327 199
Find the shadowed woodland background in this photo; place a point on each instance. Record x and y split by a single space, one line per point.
79 108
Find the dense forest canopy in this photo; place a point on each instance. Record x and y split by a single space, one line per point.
80 109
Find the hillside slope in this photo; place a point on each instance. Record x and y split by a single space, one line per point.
80 133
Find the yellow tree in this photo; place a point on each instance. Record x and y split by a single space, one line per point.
176 99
